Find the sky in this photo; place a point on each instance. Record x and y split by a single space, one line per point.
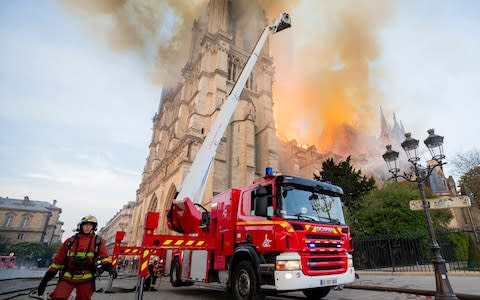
76 117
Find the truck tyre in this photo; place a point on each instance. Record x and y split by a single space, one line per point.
244 282
175 273
317 293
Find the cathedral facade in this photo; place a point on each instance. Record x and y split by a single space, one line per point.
219 49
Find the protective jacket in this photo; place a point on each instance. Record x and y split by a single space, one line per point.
77 258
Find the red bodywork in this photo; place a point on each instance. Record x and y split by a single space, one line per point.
322 247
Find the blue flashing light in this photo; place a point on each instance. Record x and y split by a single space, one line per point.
268 171
312 245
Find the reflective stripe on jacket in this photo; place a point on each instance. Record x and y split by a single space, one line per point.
75 258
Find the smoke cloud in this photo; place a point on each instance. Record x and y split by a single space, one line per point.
157 30
325 92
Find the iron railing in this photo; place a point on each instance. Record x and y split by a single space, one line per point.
412 253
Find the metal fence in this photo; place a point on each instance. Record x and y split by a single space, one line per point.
408 252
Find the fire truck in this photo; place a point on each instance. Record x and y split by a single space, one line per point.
279 234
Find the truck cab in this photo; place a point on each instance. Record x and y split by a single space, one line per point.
289 232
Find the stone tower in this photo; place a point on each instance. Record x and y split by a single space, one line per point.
221 43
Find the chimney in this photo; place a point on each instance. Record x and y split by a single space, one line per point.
54 202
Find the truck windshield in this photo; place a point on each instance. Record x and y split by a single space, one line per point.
302 203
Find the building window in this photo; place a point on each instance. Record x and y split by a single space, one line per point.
20 236
25 221
8 221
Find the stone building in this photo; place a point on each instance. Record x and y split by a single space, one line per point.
220 48
25 220
120 222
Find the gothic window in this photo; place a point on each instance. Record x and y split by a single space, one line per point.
20 236
8 221
153 204
25 221
234 68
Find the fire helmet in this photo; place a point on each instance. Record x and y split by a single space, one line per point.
89 219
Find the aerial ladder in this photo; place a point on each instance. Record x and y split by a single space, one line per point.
191 192
184 216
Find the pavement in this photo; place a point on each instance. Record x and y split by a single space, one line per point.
463 283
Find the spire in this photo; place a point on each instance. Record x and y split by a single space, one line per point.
398 131
385 129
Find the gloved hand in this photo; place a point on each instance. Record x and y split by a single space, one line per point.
46 278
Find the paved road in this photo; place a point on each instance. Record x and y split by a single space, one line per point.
203 292
467 283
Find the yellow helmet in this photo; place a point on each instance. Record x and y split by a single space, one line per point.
89 219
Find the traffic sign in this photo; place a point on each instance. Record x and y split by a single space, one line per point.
442 203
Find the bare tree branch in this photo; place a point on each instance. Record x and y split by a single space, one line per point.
465 161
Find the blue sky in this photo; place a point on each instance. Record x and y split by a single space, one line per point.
75 116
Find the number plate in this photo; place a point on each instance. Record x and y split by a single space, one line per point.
328 282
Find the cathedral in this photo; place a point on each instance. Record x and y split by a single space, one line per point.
220 46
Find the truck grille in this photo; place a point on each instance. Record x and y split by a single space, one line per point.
325 255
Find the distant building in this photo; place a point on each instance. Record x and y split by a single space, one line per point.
25 220
122 221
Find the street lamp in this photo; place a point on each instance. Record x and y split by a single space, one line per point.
434 144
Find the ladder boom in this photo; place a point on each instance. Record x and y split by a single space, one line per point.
194 182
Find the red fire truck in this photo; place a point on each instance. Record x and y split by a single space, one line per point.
281 233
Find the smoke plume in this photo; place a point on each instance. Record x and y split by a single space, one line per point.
157 30
325 91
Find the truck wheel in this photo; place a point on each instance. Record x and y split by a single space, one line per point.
175 273
317 293
244 282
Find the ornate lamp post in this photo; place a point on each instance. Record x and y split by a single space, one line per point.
434 143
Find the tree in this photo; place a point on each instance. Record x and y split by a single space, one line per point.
386 211
466 161
29 251
470 183
354 185
4 245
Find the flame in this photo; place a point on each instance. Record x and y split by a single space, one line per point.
325 92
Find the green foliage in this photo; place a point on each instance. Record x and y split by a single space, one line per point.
386 211
473 252
29 250
460 242
354 185
471 182
4 245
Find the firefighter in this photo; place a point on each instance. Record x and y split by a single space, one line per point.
79 259
153 273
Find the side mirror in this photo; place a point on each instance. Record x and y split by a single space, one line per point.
261 204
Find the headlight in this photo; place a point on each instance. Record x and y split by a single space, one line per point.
350 262
288 265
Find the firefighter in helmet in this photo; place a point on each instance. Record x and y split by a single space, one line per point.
153 273
79 259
